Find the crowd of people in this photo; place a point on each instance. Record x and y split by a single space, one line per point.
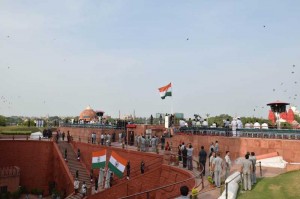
218 165
232 126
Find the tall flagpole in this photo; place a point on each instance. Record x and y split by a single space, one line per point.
172 111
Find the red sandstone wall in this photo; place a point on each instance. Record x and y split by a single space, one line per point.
34 159
289 149
86 133
134 157
158 177
10 177
61 173
170 175
39 164
157 130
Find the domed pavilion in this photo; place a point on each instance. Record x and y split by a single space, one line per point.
88 114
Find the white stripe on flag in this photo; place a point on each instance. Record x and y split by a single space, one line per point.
99 159
119 166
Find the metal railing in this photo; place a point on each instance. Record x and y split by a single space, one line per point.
135 171
227 183
96 125
147 193
259 133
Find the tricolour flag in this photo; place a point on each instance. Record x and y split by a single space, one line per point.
165 91
117 164
99 159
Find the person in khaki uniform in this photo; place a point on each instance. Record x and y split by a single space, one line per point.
246 170
253 173
227 164
217 166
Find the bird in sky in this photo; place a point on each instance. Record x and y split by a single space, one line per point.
293 66
264 26
293 72
187 39
273 89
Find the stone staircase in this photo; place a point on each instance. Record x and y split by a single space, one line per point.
75 196
74 165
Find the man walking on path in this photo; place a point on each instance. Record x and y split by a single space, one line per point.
246 170
202 158
253 173
142 167
216 146
128 169
217 166
190 157
227 164
212 147
76 185
162 140
184 156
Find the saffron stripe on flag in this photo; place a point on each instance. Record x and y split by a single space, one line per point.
119 158
99 153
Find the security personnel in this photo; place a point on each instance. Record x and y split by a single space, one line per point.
246 170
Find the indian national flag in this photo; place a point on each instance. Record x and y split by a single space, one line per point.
99 159
117 164
165 91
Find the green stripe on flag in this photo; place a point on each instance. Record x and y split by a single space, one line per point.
98 165
115 170
169 93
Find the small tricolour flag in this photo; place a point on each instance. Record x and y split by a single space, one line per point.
117 164
165 91
99 159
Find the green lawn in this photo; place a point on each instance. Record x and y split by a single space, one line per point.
284 186
15 130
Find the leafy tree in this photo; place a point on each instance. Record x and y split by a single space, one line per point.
29 122
297 118
219 120
2 121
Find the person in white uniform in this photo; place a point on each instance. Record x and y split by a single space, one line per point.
233 127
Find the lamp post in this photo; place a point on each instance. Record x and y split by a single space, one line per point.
207 116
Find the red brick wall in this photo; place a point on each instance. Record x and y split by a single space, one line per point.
289 149
37 161
34 159
140 129
170 175
86 133
61 173
163 175
134 157
10 177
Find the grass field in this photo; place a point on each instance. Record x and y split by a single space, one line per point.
284 186
18 130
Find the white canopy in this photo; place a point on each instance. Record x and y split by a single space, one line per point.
36 135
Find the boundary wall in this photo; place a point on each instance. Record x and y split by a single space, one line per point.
39 164
239 146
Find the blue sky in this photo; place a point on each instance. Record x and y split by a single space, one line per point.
113 55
